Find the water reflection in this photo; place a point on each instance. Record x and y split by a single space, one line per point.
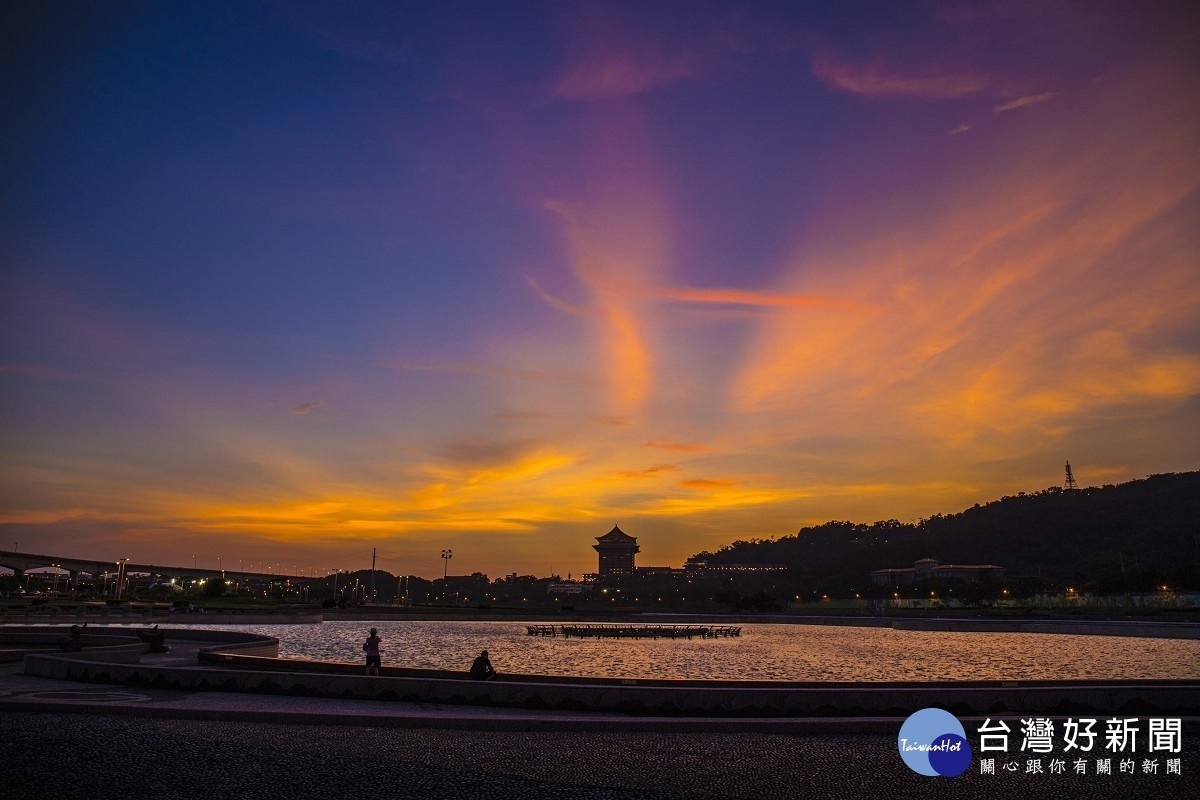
763 652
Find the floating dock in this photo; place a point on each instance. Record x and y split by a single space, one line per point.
635 631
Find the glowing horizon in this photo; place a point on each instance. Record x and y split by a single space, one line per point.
313 283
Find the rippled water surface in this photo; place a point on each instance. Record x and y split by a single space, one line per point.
763 652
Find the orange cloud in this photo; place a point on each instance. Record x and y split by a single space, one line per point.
709 483
509 414
684 447
649 472
616 246
749 297
1042 296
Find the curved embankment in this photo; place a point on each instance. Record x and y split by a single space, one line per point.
113 646
1153 630
119 644
239 662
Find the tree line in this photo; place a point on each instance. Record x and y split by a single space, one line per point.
1135 536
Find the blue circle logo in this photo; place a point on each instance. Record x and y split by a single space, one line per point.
934 742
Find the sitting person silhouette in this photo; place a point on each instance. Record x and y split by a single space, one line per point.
481 668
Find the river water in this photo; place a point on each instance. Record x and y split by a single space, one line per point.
762 652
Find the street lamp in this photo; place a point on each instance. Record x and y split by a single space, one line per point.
446 556
121 576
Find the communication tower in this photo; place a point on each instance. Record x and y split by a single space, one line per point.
1070 481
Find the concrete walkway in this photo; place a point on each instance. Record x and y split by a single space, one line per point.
322 701
20 692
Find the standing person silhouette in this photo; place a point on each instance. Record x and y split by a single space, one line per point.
371 646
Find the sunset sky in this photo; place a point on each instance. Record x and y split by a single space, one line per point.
287 282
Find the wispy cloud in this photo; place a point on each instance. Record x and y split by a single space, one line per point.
750 297
486 452
507 414
649 472
553 301
879 79
1044 251
616 247
682 447
960 129
40 372
305 408
603 75
746 298
533 376
370 48
1021 102
709 484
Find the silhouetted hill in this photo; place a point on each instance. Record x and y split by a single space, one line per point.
1130 536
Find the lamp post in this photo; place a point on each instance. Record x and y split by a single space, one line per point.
446 556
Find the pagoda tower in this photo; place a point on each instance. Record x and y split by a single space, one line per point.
616 549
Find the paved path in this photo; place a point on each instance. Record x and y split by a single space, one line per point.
19 692
66 756
164 745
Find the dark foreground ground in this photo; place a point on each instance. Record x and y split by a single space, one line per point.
67 756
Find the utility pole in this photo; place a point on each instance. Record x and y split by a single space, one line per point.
371 588
446 556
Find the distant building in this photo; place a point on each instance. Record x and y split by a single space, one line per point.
746 568
932 568
697 565
568 588
617 549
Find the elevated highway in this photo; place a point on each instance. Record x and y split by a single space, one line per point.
20 563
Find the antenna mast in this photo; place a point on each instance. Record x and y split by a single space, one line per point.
1070 481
